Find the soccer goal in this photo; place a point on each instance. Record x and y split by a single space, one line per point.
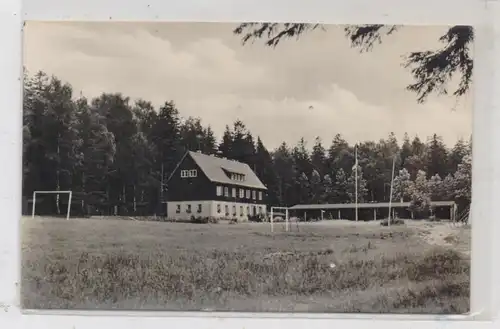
70 194
276 211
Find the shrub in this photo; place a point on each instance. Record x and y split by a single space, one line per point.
204 220
394 221
256 218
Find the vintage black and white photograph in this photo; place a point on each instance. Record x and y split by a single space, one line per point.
252 167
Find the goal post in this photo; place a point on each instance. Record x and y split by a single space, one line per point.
35 193
273 209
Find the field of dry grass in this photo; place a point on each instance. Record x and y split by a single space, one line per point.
118 264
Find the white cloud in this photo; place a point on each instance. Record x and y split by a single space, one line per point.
211 76
336 111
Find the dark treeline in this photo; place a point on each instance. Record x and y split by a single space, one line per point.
115 156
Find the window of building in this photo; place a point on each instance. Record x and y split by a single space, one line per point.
188 209
234 210
219 190
241 210
219 208
226 191
242 193
226 208
199 208
248 194
254 195
233 193
248 210
260 195
178 209
237 177
189 173
261 210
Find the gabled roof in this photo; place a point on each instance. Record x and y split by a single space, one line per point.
213 167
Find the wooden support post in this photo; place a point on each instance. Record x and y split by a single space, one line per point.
287 220
338 214
374 214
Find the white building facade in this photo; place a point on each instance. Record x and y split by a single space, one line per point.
184 210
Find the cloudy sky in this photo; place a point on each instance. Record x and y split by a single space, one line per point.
317 86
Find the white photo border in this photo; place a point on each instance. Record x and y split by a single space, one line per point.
486 139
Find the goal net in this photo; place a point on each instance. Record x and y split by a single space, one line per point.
279 214
51 203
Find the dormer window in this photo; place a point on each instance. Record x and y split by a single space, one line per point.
237 177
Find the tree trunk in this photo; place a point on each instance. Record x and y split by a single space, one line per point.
160 202
124 198
108 201
135 201
161 183
58 183
82 202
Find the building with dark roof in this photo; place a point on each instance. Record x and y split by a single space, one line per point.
209 186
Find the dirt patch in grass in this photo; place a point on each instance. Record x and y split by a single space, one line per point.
445 234
451 239
240 267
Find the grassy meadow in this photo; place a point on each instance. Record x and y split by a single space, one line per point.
334 266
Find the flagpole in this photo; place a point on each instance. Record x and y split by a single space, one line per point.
356 178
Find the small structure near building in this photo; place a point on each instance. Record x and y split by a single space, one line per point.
370 211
